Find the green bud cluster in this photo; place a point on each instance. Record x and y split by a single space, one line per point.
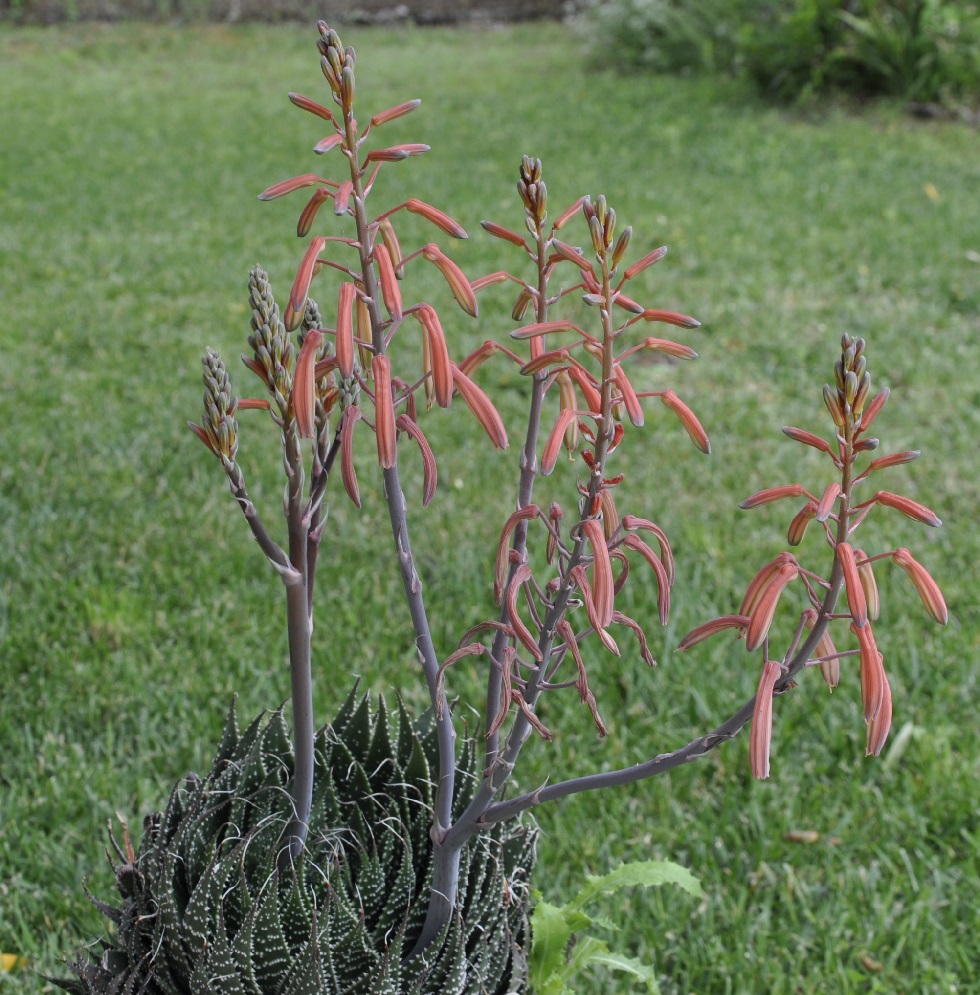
337 65
220 407
846 400
533 194
602 226
270 342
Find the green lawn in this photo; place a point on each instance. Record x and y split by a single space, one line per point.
133 602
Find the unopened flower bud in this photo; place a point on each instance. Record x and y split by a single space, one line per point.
609 227
595 229
347 86
864 388
850 387
830 399
621 246
848 358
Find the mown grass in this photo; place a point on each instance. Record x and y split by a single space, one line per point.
133 604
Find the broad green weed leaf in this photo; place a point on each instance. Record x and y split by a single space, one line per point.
642 873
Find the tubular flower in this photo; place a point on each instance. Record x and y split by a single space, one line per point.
602 575
390 293
503 548
911 509
878 727
873 681
481 406
761 617
856 601
349 477
826 504
770 494
301 285
928 589
761 581
458 284
384 412
303 385
688 419
429 470
760 738
870 585
436 354
663 580
344 346
708 629
798 526
829 668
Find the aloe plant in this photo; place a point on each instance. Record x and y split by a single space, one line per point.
206 906
382 855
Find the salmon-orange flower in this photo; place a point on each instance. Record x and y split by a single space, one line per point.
390 239
761 617
288 186
549 457
761 581
878 727
344 345
328 143
798 526
312 106
770 494
688 419
429 469
309 213
347 474
873 681
384 411
856 601
301 285
707 629
522 574
760 737
454 276
632 541
383 117
808 439
648 260
826 503
872 409
631 523
504 546
929 592
868 582
628 395
671 318
436 356
437 217
481 406
911 509
390 293
830 667
602 575
303 384
341 199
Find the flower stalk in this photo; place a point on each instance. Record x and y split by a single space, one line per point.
557 617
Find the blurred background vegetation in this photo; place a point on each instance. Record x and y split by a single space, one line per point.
926 52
